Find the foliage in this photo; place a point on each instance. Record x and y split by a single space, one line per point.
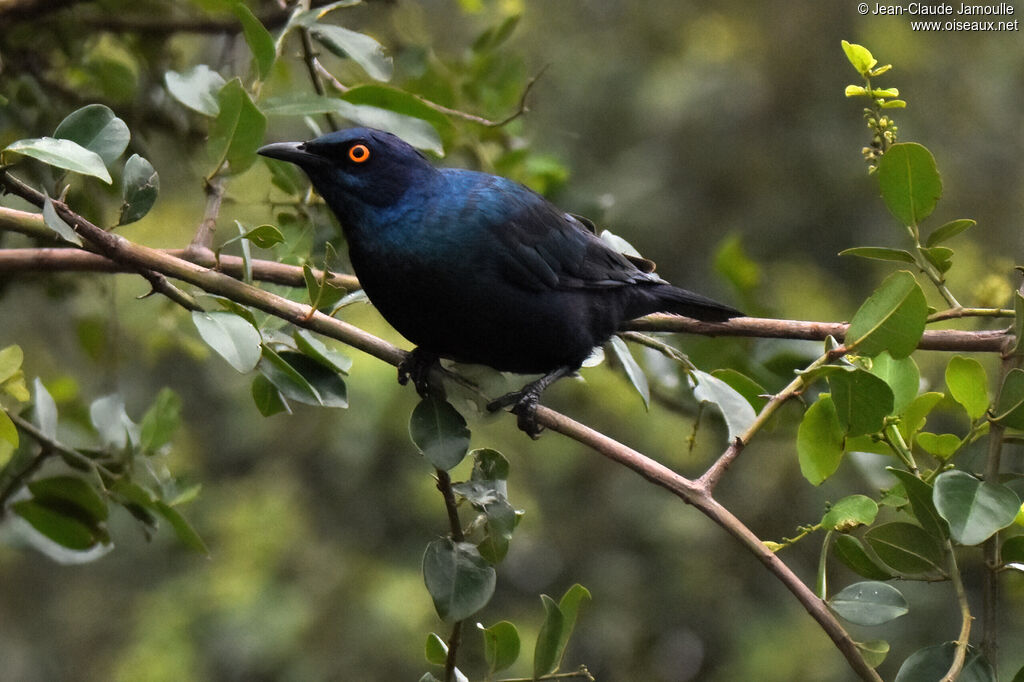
62 475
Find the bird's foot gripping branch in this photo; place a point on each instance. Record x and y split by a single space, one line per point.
947 497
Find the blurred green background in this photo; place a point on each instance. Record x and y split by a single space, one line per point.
681 125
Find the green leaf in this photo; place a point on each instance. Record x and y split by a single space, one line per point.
902 376
862 401
439 432
545 653
62 154
732 262
139 189
753 392
317 350
182 528
328 387
53 221
819 440
66 531
501 645
489 465
874 652
735 409
459 581
940 445
197 88
909 182
916 413
869 603
45 411
435 649
850 512
8 434
920 496
417 132
11 358
949 230
975 510
268 399
633 370
260 42
361 48
72 496
231 336
906 548
264 236
851 552
879 253
860 57
1012 551
322 294
933 662
161 421
939 256
968 384
496 35
892 318
96 128
237 131
1010 407
400 102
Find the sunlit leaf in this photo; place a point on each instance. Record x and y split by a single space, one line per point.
909 181
819 440
62 154
850 512
860 57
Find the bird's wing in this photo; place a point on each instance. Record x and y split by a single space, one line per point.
545 248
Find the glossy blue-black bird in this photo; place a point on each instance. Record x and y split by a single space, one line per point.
477 268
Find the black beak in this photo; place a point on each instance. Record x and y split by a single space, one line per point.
294 152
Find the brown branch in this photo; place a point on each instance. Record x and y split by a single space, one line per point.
765 328
202 243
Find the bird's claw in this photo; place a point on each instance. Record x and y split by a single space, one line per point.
524 407
416 367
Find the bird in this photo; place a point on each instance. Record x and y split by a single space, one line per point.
478 268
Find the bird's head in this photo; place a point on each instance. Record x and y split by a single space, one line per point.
356 169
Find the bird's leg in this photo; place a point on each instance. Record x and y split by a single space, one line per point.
416 366
524 401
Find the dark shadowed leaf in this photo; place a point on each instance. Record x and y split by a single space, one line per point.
869 603
161 420
458 579
96 128
1010 408
920 494
862 401
66 530
439 432
932 663
906 548
182 528
72 495
53 221
318 350
851 552
974 509
140 187
268 399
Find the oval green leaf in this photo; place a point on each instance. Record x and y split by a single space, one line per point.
459 581
96 128
850 512
359 47
879 253
439 432
906 548
892 318
909 182
735 409
501 645
197 88
140 187
869 603
1010 408
231 337
968 384
819 441
634 372
932 663
974 510
260 42
63 154
862 401
949 230
851 552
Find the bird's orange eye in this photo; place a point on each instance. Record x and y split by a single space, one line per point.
359 153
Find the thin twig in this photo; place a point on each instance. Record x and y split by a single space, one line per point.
309 57
444 484
202 243
965 619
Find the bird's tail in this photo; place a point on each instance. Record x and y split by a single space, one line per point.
665 298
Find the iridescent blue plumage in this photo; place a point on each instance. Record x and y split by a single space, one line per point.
475 267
